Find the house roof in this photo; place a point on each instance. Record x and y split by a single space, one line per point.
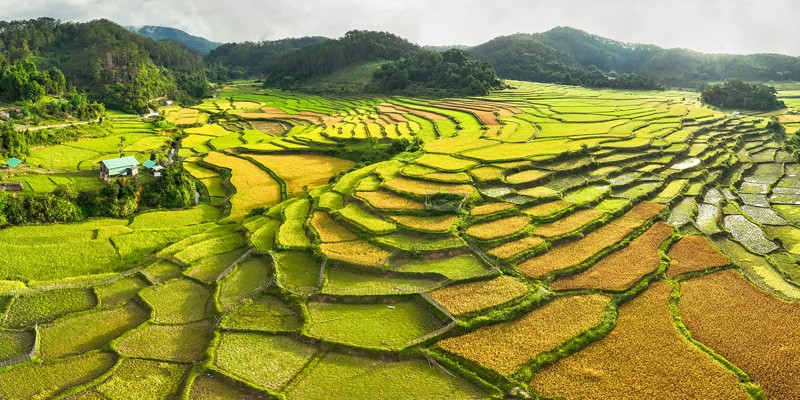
149 164
13 162
118 163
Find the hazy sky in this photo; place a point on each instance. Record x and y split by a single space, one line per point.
719 26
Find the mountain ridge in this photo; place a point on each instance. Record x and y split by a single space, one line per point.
157 32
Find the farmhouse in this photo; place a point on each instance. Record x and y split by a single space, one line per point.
153 168
124 166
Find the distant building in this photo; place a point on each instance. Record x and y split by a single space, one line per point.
125 166
153 168
14 162
11 187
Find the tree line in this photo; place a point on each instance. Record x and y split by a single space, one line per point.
430 73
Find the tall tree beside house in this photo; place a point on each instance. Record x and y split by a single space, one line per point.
175 189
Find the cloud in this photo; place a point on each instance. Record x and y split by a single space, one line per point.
733 26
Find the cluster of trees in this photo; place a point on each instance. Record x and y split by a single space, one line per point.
571 56
332 55
58 206
737 94
22 81
249 59
74 104
13 143
119 199
426 73
175 189
119 68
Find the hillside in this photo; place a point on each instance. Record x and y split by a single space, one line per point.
405 68
121 69
332 55
572 56
200 44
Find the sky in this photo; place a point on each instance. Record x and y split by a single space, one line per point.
711 26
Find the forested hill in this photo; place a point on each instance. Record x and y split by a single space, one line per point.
381 62
572 56
121 69
335 54
200 44
250 59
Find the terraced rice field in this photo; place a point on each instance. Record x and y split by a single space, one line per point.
546 241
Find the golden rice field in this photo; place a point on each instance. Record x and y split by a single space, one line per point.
516 247
507 346
474 296
581 250
737 321
498 228
389 202
694 253
303 172
568 224
356 252
254 187
329 230
643 357
622 268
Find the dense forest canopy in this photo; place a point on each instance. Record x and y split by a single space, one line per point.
451 73
737 94
249 59
332 55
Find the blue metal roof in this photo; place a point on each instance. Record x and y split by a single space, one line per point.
149 164
118 163
13 162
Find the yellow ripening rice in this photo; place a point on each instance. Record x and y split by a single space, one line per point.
507 346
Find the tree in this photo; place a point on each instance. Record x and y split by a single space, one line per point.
13 143
175 189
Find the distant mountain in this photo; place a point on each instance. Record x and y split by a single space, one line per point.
442 49
571 56
200 44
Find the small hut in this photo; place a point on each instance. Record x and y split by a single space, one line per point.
153 168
